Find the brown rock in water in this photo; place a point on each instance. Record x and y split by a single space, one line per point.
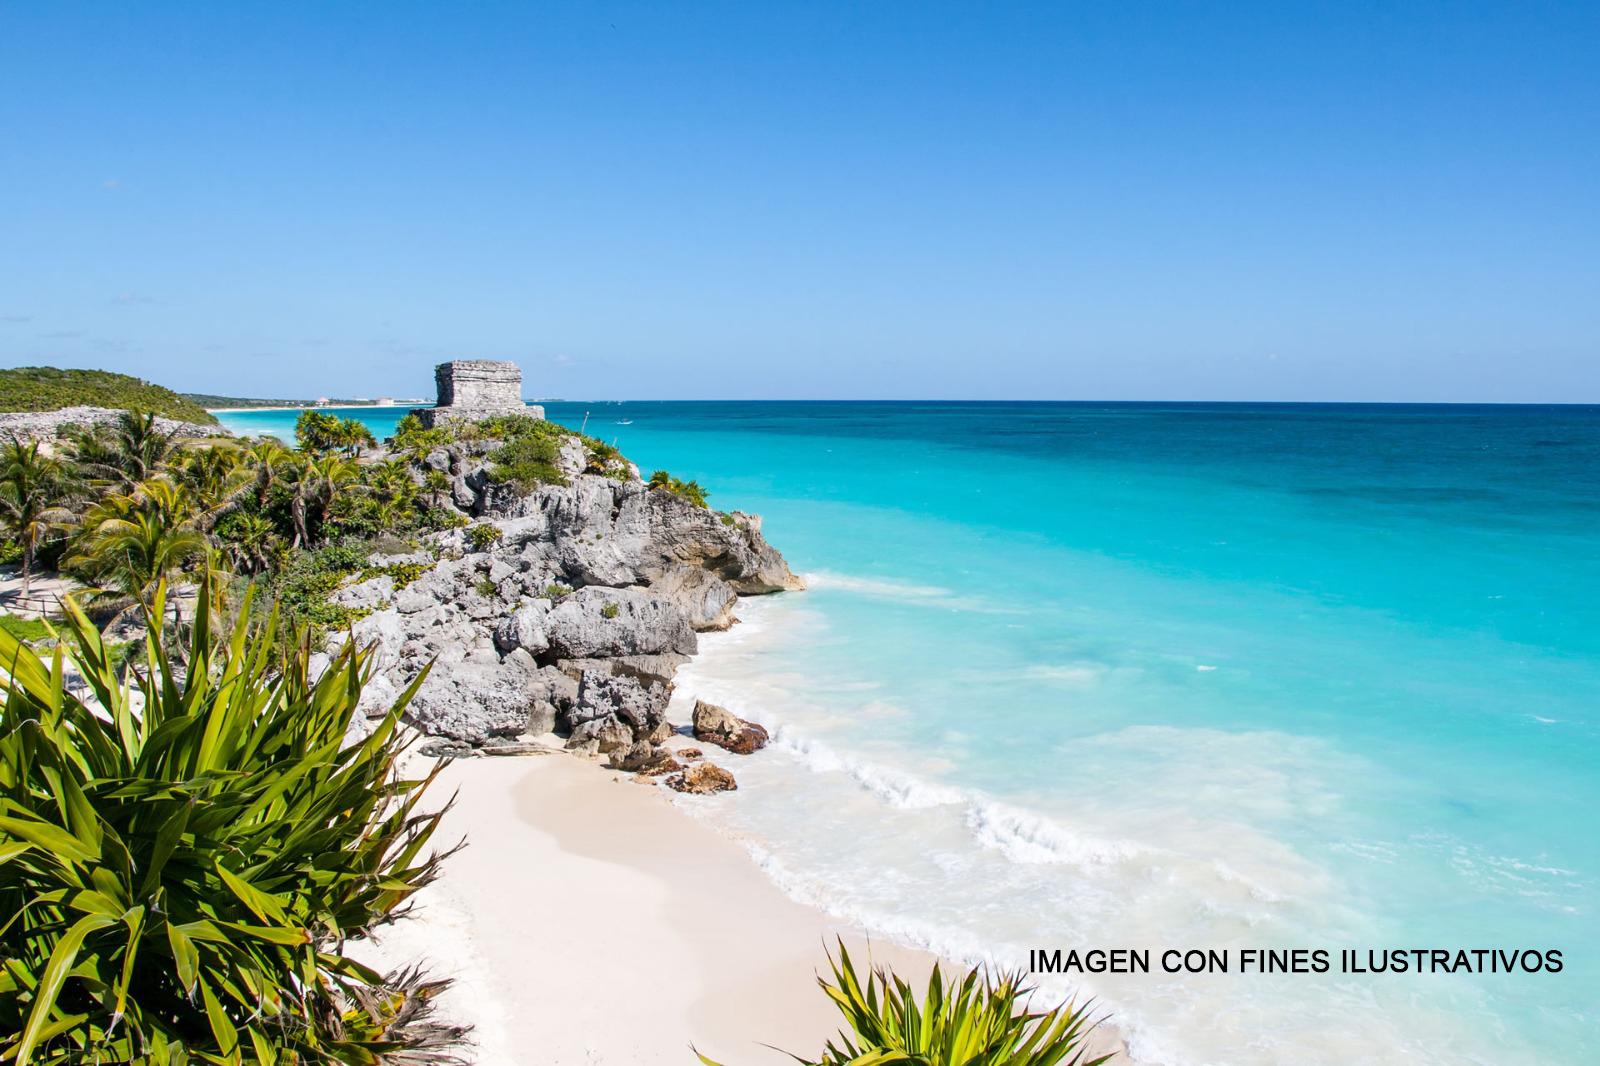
720 726
691 753
703 780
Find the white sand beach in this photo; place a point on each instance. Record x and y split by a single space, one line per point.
589 922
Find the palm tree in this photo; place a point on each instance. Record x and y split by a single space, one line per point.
250 542
132 449
269 459
353 435
318 482
392 490
216 475
33 487
131 542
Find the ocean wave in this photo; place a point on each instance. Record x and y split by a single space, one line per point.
1026 837
895 787
1021 835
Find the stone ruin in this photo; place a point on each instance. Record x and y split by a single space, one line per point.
474 389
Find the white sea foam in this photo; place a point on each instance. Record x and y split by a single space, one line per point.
895 787
874 586
1023 836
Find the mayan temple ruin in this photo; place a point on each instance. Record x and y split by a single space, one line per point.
473 389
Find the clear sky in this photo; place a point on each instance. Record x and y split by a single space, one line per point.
984 200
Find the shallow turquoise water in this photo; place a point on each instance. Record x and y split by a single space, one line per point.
1178 676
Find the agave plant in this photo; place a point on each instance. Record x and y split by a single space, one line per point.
982 1021
184 853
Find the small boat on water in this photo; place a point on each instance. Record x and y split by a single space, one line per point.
624 421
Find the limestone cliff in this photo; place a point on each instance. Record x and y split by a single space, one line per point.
571 616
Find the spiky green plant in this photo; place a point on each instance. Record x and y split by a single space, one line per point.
983 1021
184 853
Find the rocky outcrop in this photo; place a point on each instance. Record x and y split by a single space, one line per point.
603 622
573 620
703 779
47 425
706 599
719 726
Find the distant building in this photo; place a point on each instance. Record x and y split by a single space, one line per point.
384 401
474 389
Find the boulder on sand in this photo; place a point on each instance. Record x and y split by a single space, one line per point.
720 726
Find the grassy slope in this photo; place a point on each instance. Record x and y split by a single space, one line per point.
44 388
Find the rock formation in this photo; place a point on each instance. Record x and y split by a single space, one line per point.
702 780
46 425
719 726
572 621
470 390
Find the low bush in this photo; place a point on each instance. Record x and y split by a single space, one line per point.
183 859
982 1021
482 535
688 490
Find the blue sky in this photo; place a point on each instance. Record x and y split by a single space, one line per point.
986 200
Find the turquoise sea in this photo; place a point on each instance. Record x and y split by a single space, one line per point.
1177 675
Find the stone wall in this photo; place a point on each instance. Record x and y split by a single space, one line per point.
474 389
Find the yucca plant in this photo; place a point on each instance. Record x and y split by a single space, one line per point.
982 1021
184 853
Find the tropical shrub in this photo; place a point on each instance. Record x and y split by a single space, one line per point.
482 535
982 1021
183 858
688 490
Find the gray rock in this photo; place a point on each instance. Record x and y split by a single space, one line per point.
474 701
364 595
705 599
641 706
647 669
524 628
599 622
640 757
606 734
45 425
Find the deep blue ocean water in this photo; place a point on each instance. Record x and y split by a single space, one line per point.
1177 675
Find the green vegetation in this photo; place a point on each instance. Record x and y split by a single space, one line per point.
980 1022
527 458
487 588
32 486
319 432
27 630
211 400
44 388
555 592
609 611
482 535
183 859
688 490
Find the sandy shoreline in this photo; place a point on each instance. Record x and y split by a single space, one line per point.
589 921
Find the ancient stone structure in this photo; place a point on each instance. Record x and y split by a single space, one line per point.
474 389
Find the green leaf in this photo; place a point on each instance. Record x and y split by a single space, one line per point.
55 973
